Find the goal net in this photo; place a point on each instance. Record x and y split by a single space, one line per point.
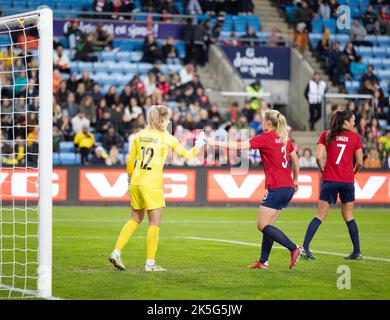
26 43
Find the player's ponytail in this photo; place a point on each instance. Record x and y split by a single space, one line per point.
336 123
156 116
279 123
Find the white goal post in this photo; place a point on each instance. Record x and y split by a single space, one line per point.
25 172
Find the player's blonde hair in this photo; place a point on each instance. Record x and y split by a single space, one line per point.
156 116
279 123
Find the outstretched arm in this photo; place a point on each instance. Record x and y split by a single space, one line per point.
231 144
189 154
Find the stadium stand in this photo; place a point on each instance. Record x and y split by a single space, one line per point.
128 84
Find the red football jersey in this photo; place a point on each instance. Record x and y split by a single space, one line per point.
339 156
275 157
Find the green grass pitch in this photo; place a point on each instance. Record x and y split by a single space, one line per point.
215 268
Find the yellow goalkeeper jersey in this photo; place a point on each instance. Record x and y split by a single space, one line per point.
148 154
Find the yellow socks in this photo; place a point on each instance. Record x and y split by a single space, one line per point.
127 231
151 244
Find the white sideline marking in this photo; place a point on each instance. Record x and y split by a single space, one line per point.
203 221
32 293
276 247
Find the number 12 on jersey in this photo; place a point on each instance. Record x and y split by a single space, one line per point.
342 146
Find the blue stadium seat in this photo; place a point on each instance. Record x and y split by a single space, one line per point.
123 56
130 67
379 52
67 158
100 67
85 66
376 62
144 67
365 51
386 62
383 40
136 56
67 146
56 159
384 74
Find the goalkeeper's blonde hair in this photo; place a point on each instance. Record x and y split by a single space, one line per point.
156 116
279 123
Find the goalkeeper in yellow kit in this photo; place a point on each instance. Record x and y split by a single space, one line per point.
145 169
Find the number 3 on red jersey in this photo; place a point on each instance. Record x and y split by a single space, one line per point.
285 162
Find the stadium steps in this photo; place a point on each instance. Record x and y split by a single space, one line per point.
270 17
212 88
306 139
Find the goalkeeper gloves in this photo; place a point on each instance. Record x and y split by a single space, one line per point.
201 140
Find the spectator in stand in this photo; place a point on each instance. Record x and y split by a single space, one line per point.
275 38
370 20
246 7
324 10
167 7
102 40
99 157
256 89
85 50
369 75
301 39
117 8
304 14
72 82
324 47
111 96
112 141
358 68
84 142
151 50
314 94
186 74
61 94
89 109
249 38
367 88
333 4
357 34
61 59
242 123
95 93
163 85
307 160
193 7
256 123
169 51
232 40
248 111
57 79
87 81
188 34
65 127
134 110
203 119
71 107
372 161
384 20
80 92
126 95
350 52
200 38
74 35
79 122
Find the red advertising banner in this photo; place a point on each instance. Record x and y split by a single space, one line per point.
112 185
20 184
226 186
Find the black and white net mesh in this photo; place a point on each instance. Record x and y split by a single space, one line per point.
19 109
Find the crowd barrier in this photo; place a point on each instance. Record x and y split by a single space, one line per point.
183 186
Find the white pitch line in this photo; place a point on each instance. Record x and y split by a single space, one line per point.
276 247
32 293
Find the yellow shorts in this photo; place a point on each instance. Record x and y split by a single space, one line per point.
146 198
